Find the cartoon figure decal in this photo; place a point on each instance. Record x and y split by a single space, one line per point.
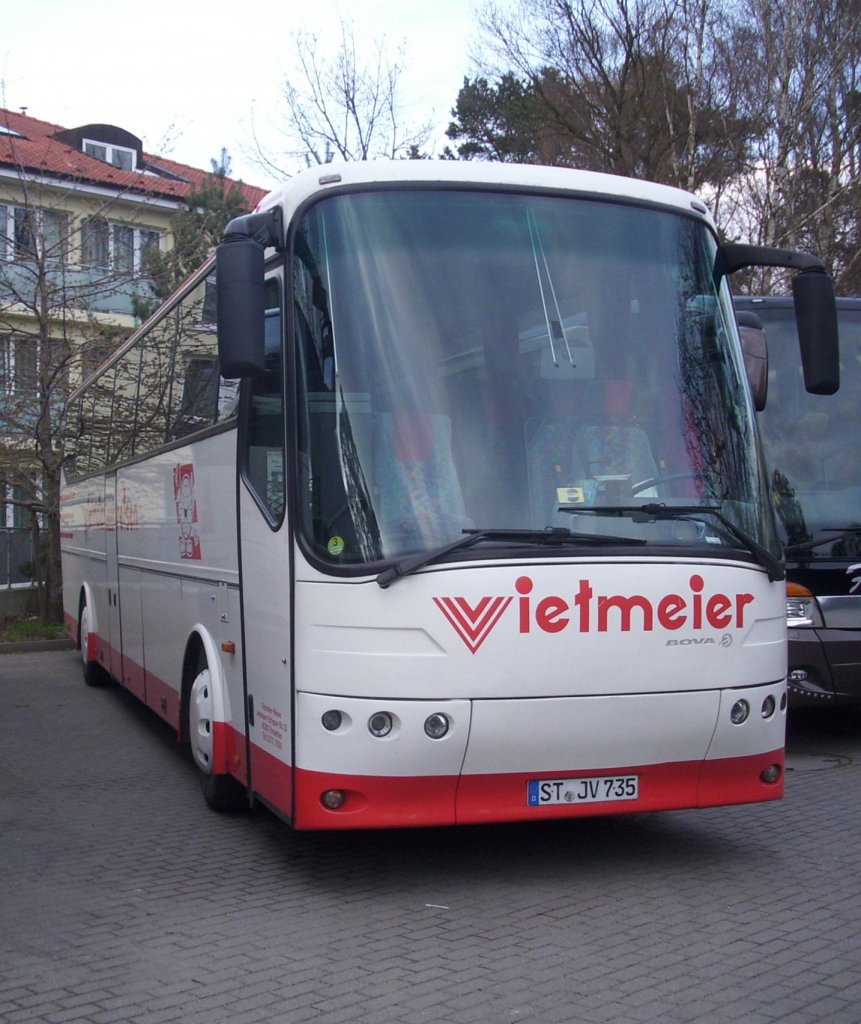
186 512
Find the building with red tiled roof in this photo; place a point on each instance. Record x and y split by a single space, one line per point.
99 156
80 210
88 202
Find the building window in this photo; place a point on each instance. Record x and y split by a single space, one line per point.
118 247
122 248
119 156
28 233
17 365
55 235
96 150
15 515
24 233
149 243
94 242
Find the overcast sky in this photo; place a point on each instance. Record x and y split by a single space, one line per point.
191 76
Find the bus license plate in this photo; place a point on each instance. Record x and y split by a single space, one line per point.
597 789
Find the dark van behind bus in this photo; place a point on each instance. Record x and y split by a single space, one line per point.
812 448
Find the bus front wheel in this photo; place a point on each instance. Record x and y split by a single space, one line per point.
222 792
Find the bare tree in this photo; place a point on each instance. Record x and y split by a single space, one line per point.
337 106
59 296
757 105
635 87
49 335
800 61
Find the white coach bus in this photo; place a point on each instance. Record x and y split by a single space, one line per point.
441 502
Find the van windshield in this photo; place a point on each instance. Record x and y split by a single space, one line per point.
471 360
810 441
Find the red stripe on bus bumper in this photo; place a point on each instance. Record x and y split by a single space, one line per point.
379 802
373 801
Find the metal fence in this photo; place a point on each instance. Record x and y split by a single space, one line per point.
16 556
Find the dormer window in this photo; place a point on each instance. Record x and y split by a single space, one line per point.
119 156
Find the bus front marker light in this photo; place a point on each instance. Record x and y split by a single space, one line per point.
771 774
332 720
798 675
436 726
739 712
380 724
768 706
333 799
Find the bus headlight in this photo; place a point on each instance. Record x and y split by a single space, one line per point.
436 726
768 706
332 720
739 712
380 724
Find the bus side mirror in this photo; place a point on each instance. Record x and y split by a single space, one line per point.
816 319
754 347
241 306
240 290
815 308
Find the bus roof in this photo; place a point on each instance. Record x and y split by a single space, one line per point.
319 179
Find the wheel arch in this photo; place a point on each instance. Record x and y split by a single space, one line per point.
200 643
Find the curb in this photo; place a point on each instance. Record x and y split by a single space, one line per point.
26 646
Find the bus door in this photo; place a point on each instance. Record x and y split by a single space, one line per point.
265 573
115 641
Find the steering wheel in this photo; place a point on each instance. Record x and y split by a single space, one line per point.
655 481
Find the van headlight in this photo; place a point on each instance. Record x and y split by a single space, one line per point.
801 607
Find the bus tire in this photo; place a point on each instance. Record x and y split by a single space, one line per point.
94 674
222 792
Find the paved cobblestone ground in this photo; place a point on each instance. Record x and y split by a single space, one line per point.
124 900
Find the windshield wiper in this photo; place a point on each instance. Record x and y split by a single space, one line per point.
653 511
553 536
841 533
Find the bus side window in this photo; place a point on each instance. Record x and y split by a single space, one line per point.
199 396
264 438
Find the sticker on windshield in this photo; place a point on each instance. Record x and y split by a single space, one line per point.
570 495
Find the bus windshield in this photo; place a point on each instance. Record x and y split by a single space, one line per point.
810 441
479 360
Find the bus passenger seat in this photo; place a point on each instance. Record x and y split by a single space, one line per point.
548 466
418 495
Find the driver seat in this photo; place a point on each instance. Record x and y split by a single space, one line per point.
565 452
613 450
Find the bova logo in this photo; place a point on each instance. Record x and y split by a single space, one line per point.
588 612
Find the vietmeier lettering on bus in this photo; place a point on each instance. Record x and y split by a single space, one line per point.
587 611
